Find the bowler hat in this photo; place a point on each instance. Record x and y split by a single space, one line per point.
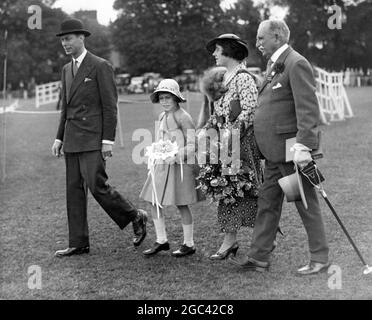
170 86
293 188
211 45
72 26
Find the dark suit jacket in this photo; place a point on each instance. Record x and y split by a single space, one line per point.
89 105
288 111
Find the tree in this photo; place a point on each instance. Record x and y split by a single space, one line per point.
99 42
31 53
245 19
331 48
357 36
167 36
38 54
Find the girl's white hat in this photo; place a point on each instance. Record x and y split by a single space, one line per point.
167 85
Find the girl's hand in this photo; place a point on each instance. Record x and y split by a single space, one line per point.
170 160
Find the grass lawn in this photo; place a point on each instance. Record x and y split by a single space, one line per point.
33 223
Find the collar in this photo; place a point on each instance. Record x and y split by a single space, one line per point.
80 58
229 75
278 52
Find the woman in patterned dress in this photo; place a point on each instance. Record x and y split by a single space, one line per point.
230 51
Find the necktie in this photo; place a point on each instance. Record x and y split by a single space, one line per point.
268 67
74 67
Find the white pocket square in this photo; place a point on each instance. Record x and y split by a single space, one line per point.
87 79
277 86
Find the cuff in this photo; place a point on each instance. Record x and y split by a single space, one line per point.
299 147
57 140
107 142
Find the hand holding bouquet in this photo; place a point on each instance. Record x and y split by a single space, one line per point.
162 151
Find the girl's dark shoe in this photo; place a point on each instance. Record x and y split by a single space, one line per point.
157 247
184 250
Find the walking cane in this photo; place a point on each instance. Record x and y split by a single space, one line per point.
314 176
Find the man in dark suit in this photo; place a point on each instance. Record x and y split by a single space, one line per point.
86 132
287 107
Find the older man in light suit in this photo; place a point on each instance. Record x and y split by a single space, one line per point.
86 133
287 108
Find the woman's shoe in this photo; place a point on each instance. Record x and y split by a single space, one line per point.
224 255
156 248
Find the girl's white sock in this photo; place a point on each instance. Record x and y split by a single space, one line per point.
188 233
161 234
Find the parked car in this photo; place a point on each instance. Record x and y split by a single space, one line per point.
122 82
136 85
151 81
188 80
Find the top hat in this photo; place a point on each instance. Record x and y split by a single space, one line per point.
293 188
170 86
72 26
211 45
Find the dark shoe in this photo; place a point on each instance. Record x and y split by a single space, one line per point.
71 251
156 248
250 264
184 250
313 268
139 227
224 255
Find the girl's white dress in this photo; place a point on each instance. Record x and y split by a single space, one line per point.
170 189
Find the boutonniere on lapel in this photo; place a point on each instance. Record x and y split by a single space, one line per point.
277 68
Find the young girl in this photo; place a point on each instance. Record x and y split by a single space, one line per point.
174 185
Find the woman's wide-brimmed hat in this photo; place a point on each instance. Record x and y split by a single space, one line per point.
211 45
170 86
293 188
72 26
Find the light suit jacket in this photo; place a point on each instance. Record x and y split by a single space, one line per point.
287 107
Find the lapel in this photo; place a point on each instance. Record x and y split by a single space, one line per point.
68 79
281 59
83 71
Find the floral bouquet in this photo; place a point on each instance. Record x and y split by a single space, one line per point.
222 180
158 152
161 150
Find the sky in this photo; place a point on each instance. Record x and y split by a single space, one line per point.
105 12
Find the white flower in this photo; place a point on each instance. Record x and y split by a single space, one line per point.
161 150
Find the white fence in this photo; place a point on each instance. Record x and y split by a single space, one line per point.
47 93
333 101
10 108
